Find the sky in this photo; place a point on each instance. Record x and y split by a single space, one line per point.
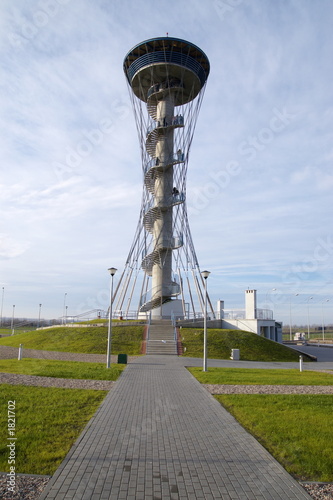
260 180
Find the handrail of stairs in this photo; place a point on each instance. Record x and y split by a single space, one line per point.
149 323
173 322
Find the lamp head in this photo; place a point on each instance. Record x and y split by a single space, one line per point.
205 274
112 271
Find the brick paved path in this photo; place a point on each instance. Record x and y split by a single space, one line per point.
160 435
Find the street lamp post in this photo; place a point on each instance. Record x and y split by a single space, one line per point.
205 275
295 294
40 307
322 317
112 271
12 325
309 298
64 309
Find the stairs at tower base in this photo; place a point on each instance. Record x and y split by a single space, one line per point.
161 339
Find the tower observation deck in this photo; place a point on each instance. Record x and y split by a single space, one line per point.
166 78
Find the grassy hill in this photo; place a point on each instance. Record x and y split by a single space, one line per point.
128 340
92 340
220 342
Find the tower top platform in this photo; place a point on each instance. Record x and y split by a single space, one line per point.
166 60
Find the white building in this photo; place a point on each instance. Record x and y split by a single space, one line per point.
250 319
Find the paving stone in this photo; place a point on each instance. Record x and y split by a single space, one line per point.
160 434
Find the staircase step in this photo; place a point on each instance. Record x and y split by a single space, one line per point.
161 338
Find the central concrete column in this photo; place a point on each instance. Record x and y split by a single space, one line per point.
163 231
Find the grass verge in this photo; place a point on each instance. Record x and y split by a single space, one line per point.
93 340
297 430
220 342
48 421
61 369
252 376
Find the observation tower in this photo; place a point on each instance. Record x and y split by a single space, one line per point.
166 79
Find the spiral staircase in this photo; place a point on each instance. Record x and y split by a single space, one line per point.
157 205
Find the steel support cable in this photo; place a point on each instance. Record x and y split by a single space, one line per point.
189 248
199 291
131 294
190 294
144 245
133 248
144 289
118 286
124 289
208 298
181 291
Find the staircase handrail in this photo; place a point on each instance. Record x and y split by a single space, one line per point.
173 322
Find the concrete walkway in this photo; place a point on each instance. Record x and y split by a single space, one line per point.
160 435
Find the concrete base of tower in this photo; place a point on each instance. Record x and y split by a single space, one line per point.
169 310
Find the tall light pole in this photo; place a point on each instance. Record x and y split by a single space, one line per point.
64 309
309 298
205 275
12 325
295 294
322 317
112 271
40 307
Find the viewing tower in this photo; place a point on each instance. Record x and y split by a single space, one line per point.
166 78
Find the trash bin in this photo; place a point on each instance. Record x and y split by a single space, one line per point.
122 359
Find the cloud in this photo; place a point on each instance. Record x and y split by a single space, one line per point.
314 178
10 248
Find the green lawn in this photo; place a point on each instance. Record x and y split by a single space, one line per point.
297 430
62 369
5 331
220 342
318 335
48 421
127 340
23 329
252 376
